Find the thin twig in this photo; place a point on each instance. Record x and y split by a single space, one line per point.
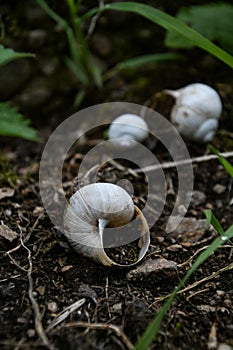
65 313
94 20
226 268
106 295
25 239
195 284
197 252
10 277
37 315
168 165
18 346
104 326
197 293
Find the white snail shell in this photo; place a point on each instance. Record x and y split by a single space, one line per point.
96 207
126 129
196 111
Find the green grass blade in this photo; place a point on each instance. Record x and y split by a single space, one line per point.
52 13
213 20
214 221
171 24
216 224
140 61
223 161
97 76
77 66
7 55
152 330
79 97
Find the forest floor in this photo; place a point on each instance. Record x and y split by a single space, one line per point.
109 307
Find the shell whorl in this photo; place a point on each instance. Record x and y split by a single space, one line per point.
93 208
90 210
128 128
201 98
196 111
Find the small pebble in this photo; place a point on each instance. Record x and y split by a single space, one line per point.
36 38
227 303
219 204
160 239
220 293
85 291
224 347
31 333
22 320
189 230
35 94
198 198
117 307
182 210
219 189
167 267
212 302
52 306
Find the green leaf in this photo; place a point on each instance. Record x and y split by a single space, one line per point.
12 123
140 61
152 330
7 55
171 24
223 161
213 20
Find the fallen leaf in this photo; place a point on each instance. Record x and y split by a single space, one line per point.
41 290
38 210
7 233
6 192
66 268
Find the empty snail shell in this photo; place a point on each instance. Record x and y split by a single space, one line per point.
102 215
196 111
126 129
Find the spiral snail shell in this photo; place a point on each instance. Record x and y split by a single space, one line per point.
196 111
126 129
103 214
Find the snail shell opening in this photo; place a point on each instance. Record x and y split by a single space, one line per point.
129 243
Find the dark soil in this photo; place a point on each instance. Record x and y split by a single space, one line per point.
200 317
